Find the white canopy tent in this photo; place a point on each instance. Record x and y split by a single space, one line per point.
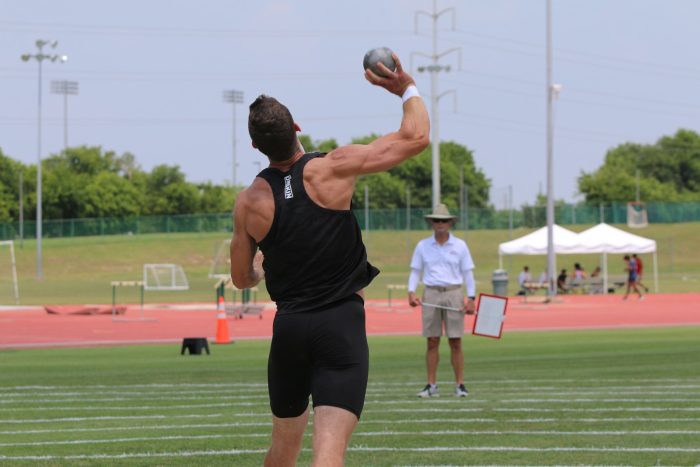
535 243
606 239
602 239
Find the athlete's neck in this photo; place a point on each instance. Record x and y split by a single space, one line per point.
287 164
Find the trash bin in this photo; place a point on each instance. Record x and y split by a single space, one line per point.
500 282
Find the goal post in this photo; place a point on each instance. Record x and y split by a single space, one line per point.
637 215
164 277
8 272
221 265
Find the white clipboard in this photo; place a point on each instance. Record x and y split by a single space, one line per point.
490 314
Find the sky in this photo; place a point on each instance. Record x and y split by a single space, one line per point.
152 74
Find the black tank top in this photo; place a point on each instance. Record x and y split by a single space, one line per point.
313 256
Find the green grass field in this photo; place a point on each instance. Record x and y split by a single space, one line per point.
78 270
622 397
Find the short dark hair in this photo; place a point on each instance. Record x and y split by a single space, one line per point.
271 128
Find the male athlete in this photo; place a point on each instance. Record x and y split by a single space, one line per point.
297 211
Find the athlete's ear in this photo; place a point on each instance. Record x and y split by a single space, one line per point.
297 127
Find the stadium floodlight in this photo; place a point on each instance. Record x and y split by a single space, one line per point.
234 97
67 88
40 56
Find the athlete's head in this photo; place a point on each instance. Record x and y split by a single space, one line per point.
272 128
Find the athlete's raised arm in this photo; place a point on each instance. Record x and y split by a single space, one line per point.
391 149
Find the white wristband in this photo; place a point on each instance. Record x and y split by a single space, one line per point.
411 91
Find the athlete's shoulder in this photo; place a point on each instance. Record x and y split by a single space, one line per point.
257 191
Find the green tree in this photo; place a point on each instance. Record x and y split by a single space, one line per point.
167 191
669 170
9 188
216 198
109 195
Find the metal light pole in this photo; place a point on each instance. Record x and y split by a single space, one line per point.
67 88
234 97
551 260
434 69
553 91
40 56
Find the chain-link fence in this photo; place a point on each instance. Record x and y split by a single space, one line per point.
371 219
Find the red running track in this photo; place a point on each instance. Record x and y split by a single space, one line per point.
33 327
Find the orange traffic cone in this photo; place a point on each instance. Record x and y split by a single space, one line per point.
220 303
222 328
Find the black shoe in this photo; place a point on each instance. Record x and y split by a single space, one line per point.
461 391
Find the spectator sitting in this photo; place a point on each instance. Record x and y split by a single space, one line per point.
561 282
579 273
523 280
596 286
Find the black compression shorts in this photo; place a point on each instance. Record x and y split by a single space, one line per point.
320 353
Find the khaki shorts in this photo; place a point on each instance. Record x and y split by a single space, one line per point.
434 317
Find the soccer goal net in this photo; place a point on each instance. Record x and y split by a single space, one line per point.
637 215
164 277
9 289
221 266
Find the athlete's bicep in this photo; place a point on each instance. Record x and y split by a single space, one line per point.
360 159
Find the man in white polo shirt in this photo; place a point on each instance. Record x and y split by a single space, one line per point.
445 263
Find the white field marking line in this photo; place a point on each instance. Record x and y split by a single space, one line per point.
604 393
694 381
519 401
140 427
109 417
135 399
601 409
528 432
262 392
263 403
138 455
516 449
134 408
459 421
366 433
232 452
604 419
131 440
133 395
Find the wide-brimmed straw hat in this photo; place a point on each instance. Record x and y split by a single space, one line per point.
440 212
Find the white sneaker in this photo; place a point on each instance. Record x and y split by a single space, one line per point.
461 391
429 391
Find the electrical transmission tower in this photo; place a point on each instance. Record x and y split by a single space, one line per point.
434 68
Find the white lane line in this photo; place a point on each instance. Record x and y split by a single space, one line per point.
138 455
135 399
262 400
597 400
140 427
457 421
609 409
688 383
234 452
132 408
108 417
529 432
252 393
517 449
360 433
